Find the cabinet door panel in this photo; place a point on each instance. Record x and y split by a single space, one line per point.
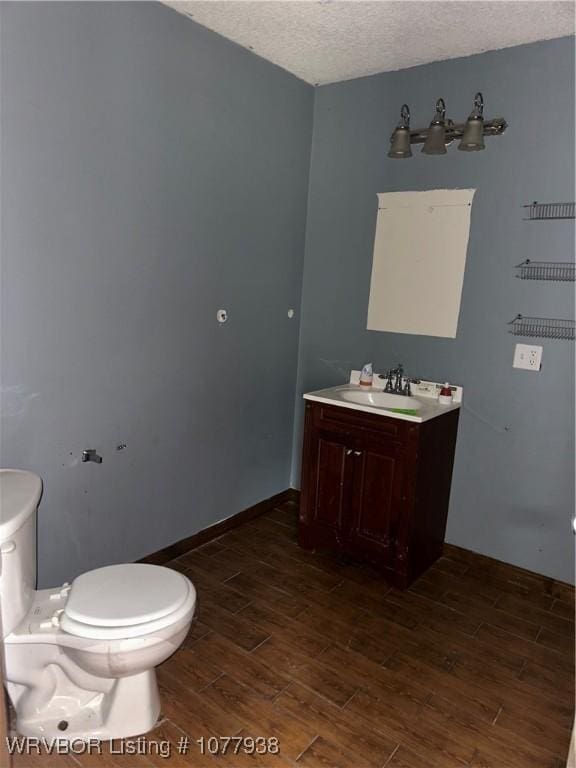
378 498
329 502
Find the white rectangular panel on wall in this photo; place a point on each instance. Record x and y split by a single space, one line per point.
419 260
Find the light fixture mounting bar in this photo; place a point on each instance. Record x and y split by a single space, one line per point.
495 127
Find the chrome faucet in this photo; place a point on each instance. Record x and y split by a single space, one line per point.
399 372
389 387
397 383
394 380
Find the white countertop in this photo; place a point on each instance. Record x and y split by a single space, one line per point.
427 406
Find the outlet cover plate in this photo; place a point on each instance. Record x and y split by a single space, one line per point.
527 357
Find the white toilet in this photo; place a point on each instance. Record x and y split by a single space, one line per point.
81 658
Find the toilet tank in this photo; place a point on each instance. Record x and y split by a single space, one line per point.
20 493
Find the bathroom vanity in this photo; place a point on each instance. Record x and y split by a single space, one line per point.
375 482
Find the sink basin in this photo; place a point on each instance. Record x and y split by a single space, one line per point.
380 399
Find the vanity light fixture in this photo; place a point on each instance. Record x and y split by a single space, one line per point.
473 138
442 131
435 143
400 141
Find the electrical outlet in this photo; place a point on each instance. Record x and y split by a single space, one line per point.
527 357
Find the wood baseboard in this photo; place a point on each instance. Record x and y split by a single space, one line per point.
179 548
293 495
451 550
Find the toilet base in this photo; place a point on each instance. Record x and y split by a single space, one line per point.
130 708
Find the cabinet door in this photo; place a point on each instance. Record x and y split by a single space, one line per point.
329 484
378 500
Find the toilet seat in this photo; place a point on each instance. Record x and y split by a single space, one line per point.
125 601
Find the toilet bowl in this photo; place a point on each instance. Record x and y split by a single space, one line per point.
81 658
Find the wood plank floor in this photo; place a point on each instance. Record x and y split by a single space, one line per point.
473 666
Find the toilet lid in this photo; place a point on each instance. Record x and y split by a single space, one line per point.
125 595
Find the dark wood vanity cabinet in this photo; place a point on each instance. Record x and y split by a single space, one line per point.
377 487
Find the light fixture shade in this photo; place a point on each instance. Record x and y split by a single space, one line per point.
400 141
435 143
400 144
473 136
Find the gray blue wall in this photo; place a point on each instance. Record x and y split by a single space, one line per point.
513 489
152 172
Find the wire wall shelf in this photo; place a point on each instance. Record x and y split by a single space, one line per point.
541 211
543 327
561 271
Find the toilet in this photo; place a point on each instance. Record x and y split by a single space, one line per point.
81 658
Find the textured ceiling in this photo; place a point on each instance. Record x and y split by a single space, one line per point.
331 40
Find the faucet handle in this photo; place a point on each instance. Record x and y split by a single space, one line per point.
407 387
